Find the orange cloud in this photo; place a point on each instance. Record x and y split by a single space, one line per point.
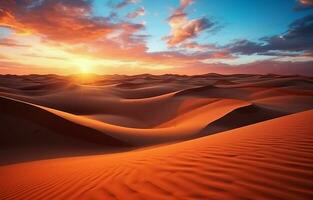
183 29
59 20
11 43
306 2
185 3
8 20
197 46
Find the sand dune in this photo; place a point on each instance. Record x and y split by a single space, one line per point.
30 133
269 160
183 127
156 137
237 118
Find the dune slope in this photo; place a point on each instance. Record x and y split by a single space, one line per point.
267 160
28 133
239 117
183 127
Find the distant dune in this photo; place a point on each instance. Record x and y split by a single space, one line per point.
156 137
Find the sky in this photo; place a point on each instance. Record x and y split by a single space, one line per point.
157 37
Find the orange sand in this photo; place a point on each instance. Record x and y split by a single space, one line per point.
156 137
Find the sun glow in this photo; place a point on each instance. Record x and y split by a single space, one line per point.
85 69
84 66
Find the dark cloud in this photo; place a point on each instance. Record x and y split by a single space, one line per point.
298 38
245 47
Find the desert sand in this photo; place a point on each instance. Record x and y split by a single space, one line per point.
156 137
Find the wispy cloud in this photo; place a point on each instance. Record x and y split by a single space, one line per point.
138 12
124 3
11 43
198 47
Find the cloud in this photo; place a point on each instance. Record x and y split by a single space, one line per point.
124 3
128 37
65 21
304 4
298 38
11 43
44 56
9 21
139 12
198 47
245 47
182 28
59 20
185 3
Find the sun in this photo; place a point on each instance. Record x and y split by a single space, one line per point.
84 66
84 69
